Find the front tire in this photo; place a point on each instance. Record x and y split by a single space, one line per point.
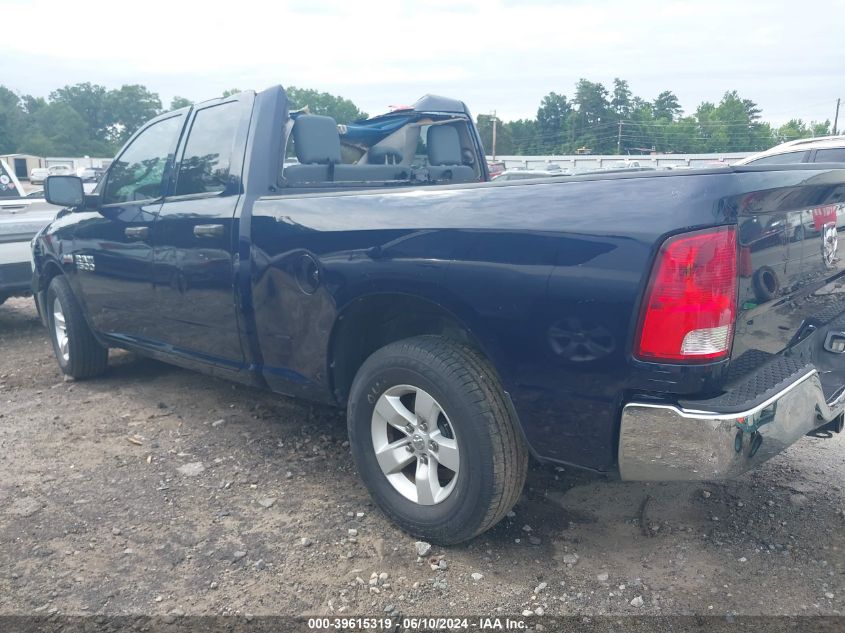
434 439
77 351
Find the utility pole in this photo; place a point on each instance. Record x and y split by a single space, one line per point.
495 121
836 118
619 139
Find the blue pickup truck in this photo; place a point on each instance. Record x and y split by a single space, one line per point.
653 326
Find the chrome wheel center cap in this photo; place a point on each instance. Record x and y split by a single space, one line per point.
418 442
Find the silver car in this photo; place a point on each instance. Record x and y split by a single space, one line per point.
823 149
39 174
20 220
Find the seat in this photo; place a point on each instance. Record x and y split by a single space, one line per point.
445 157
384 163
317 146
370 173
384 156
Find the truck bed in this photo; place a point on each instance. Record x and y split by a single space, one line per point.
550 287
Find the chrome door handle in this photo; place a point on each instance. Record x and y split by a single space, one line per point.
137 232
208 230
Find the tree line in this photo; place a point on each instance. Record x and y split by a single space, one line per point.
600 121
89 119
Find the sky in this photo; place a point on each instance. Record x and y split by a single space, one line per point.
495 55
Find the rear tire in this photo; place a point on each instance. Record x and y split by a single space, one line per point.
77 351
451 461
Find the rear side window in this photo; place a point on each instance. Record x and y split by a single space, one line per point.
833 155
208 152
138 172
780 159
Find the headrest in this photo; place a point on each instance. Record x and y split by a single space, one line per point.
316 140
444 145
384 156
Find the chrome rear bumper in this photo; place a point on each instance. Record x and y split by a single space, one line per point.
670 443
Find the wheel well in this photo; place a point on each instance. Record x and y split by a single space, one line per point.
370 323
51 269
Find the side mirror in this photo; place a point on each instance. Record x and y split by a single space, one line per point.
64 191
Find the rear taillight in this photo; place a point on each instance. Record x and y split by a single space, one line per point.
690 302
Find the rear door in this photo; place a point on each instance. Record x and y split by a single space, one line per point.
113 254
196 236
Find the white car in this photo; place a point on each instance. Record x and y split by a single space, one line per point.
39 174
822 149
20 220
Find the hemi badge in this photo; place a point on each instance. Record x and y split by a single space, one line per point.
85 262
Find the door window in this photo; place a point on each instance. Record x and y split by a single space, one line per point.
833 155
780 159
205 163
138 173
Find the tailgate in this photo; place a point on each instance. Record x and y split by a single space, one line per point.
791 290
786 376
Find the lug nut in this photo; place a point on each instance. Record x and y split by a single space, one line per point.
409 448
433 445
424 459
423 426
409 428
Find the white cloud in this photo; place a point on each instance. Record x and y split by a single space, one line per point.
494 54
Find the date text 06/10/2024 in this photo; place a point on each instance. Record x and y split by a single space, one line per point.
416 624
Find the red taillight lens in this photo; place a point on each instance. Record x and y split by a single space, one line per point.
690 303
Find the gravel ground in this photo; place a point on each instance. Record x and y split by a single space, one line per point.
158 491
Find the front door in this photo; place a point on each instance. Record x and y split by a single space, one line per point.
196 238
113 254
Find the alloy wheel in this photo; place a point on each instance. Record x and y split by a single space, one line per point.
415 445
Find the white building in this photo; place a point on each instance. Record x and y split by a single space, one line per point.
77 163
582 162
23 164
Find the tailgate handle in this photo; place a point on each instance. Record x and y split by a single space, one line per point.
835 342
208 230
137 232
